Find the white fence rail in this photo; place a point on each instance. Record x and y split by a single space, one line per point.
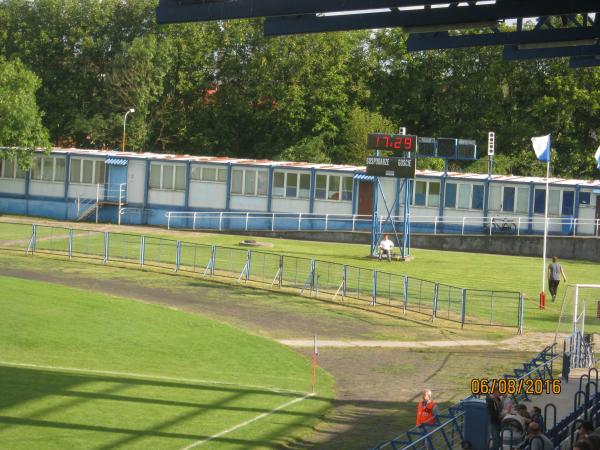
257 221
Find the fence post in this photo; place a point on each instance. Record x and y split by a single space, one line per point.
168 220
521 312
97 201
178 256
106 242
70 243
273 222
313 271
374 290
280 270
462 231
463 307
344 278
519 226
299 221
491 222
142 250
213 259
220 220
33 240
246 225
405 294
194 221
120 203
353 221
326 221
435 222
249 262
436 289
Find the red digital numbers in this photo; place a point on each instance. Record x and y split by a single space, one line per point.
391 142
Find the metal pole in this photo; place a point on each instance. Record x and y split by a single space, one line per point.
97 200
344 278
178 256
545 227
280 270
130 110
194 221
436 289
374 291
106 245
463 308
70 243
142 250
405 294
120 202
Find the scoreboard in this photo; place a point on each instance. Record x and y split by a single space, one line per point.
397 143
385 166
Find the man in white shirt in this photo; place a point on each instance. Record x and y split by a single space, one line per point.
385 248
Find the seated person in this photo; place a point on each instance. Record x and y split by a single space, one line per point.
385 248
537 417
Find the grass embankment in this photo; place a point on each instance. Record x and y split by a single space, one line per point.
52 325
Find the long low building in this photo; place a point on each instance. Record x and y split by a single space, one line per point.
142 188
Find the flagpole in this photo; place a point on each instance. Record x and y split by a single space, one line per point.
546 223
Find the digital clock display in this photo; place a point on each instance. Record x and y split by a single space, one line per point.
392 142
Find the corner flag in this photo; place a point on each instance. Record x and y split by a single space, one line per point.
541 147
597 156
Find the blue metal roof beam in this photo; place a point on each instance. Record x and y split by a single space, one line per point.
442 40
513 54
176 11
585 61
446 18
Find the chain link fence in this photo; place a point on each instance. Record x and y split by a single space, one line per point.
309 276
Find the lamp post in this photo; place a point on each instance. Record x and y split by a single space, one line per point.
130 110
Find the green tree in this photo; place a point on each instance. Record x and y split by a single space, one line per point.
20 119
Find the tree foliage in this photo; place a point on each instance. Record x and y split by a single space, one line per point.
223 88
20 118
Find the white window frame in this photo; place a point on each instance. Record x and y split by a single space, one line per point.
256 171
15 170
340 188
586 205
560 197
426 205
54 163
285 184
218 170
94 163
173 168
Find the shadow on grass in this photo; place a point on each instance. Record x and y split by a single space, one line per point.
57 392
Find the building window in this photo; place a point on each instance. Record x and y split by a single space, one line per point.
48 168
208 174
321 187
508 199
553 201
450 198
427 193
304 190
249 182
87 171
330 187
477 201
433 194
495 198
279 184
169 177
523 200
464 196
568 201
291 184
584 199
9 168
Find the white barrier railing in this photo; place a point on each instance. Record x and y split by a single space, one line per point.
249 221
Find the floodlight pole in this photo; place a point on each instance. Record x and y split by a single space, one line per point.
130 110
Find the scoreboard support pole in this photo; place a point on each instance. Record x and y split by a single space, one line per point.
375 217
405 252
376 232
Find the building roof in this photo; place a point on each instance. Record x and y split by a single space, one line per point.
308 165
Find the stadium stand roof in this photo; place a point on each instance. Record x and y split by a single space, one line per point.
538 28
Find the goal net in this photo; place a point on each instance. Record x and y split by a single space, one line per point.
578 321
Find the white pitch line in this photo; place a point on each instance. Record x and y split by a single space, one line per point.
150 377
247 422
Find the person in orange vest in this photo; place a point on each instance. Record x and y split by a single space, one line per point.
426 410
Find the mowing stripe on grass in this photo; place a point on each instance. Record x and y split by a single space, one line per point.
150 377
247 422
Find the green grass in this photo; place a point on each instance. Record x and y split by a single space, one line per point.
51 325
468 270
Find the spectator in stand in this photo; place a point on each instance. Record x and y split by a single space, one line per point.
493 404
594 441
536 440
385 248
582 445
536 416
426 410
522 411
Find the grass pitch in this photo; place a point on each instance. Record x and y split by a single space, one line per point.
84 370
